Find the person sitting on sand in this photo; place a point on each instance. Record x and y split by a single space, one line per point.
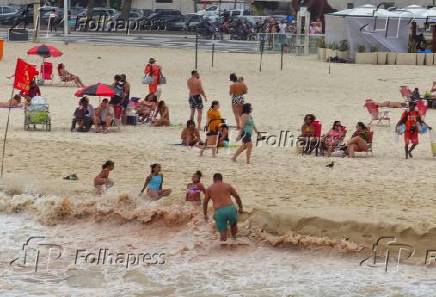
104 115
83 116
15 102
225 211
164 115
194 189
214 121
102 179
333 138
358 141
307 137
148 108
190 135
154 182
66 76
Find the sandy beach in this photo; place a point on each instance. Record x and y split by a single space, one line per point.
382 190
285 194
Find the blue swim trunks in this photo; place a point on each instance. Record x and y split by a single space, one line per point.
224 215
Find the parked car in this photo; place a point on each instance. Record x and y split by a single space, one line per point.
20 16
192 21
176 24
6 12
98 12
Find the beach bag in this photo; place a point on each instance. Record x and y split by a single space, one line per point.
147 80
162 80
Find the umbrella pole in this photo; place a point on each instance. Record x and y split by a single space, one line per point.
6 134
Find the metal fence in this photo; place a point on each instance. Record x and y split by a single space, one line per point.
292 43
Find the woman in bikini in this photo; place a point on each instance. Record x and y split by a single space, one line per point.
237 91
194 189
248 126
67 76
153 184
102 179
359 140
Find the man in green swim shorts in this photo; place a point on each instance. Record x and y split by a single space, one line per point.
225 210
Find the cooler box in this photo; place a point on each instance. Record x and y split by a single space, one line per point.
131 120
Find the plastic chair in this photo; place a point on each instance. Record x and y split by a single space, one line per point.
376 115
421 105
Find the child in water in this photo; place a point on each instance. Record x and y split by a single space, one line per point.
153 184
102 179
193 189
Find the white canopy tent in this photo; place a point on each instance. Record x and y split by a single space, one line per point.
369 26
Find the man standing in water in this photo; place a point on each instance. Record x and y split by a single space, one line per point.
195 93
225 210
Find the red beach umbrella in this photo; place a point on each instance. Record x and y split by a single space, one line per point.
96 90
45 51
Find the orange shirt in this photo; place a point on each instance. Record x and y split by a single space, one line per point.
213 119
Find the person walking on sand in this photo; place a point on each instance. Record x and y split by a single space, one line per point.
195 93
225 211
153 70
102 179
412 121
153 184
246 132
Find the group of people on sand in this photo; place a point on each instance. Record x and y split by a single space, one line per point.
216 129
311 138
225 212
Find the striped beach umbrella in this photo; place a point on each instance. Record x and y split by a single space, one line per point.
96 90
45 51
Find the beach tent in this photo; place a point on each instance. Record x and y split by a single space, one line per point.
370 26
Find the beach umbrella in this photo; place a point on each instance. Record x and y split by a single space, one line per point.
96 90
45 51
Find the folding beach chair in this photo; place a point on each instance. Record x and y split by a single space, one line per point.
67 82
46 73
311 144
370 138
405 92
377 115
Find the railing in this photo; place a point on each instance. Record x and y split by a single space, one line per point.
292 43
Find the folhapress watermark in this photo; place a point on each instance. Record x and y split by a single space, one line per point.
37 254
388 252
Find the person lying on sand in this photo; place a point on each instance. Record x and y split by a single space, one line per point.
386 104
190 135
164 115
66 76
225 211
15 102
102 179
194 189
153 184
